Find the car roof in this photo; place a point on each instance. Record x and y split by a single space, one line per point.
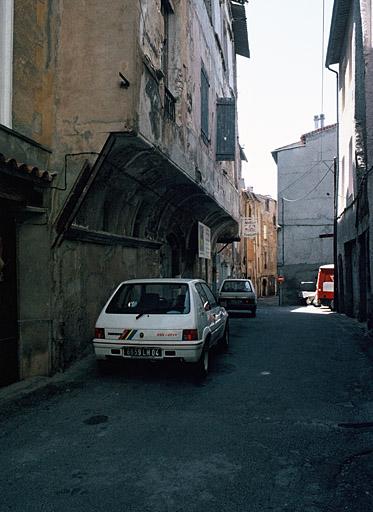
156 280
236 279
327 266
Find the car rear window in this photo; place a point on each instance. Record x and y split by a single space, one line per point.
156 298
236 286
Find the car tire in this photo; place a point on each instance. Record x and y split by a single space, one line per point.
201 367
253 312
224 342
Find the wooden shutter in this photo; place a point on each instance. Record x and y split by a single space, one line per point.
226 129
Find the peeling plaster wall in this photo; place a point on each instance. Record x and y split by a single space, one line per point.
68 96
35 31
95 45
84 277
192 42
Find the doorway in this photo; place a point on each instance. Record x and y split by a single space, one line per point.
8 300
175 255
363 264
264 288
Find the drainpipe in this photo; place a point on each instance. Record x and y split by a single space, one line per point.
336 186
283 230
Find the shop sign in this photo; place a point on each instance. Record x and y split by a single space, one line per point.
248 227
204 241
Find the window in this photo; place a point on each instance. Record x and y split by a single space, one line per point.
169 105
216 16
342 184
6 61
206 295
208 7
265 232
166 11
267 205
265 260
157 298
202 294
205 85
226 129
236 286
351 168
169 99
342 83
210 296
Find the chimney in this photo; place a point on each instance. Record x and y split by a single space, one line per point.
316 121
322 120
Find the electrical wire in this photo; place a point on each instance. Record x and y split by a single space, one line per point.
322 73
323 56
310 191
302 175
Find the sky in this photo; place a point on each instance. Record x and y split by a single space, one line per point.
280 86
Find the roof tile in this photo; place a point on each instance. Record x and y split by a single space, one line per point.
11 165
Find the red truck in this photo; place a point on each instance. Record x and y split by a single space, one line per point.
325 287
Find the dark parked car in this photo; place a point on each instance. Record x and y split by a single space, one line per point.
238 296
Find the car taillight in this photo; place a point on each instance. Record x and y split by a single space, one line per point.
99 333
190 334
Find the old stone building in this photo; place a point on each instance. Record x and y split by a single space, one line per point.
305 172
259 243
350 48
118 139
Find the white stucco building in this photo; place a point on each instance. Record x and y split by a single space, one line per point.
305 207
350 54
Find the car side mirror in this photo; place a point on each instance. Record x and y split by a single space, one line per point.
206 306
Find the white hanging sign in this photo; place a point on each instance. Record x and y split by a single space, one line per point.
204 241
248 227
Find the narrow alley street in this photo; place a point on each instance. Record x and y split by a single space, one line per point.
282 423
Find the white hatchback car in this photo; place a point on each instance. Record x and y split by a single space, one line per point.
161 319
238 296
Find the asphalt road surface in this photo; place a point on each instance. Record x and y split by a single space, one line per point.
282 423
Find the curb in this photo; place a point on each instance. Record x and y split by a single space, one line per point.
19 391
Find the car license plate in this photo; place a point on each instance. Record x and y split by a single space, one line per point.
142 352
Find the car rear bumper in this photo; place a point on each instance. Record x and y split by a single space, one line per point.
241 308
189 352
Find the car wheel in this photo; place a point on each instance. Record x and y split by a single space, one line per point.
253 312
201 367
225 338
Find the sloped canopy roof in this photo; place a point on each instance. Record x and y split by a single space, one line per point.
147 193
